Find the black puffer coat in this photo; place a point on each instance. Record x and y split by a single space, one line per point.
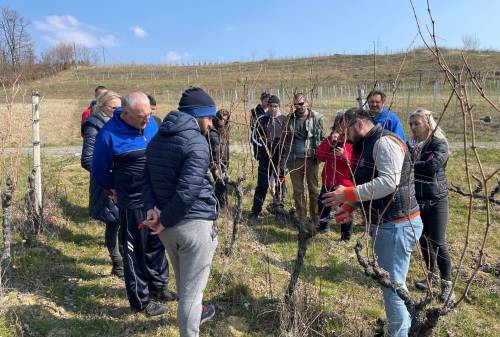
177 181
430 166
100 205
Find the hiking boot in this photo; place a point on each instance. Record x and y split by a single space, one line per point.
422 284
164 295
207 313
155 309
323 227
446 290
252 218
117 269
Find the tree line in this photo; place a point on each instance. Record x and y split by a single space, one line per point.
18 60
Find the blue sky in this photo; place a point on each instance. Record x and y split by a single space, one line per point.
154 31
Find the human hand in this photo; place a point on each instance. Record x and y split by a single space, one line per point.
335 197
113 196
152 217
156 228
337 151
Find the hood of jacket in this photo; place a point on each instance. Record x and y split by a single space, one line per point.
178 121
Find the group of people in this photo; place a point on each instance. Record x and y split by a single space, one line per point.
400 187
149 183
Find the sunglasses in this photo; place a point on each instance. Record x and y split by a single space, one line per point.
299 104
274 105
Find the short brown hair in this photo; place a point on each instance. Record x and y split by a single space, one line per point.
357 113
377 92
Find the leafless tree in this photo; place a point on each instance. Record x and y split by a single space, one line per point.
16 47
66 55
470 42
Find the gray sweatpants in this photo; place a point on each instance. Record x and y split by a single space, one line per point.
190 246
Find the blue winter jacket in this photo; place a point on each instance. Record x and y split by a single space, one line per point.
390 121
119 158
177 180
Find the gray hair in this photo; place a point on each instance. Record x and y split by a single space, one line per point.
134 98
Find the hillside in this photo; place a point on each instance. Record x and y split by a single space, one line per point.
418 69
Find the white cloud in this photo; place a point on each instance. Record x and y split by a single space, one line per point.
173 57
67 29
176 57
139 31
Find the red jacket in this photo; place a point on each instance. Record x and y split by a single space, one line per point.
336 169
85 114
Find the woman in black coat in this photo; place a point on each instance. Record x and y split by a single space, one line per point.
430 154
101 207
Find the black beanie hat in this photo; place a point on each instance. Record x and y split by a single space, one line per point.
197 103
274 100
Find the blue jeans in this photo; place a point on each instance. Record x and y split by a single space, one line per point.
393 244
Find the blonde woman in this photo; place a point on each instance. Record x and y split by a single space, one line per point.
429 149
101 207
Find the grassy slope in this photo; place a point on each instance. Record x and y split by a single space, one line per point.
62 287
65 95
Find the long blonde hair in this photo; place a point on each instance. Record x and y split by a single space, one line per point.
430 122
105 97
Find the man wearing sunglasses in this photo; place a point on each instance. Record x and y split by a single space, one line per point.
303 132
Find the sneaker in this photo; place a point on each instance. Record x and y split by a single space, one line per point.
155 309
323 227
164 295
117 269
422 284
345 238
446 291
253 217
207 313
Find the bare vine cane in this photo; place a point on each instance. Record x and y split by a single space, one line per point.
304 234
237 212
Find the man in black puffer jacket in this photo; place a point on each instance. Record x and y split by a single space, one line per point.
180 202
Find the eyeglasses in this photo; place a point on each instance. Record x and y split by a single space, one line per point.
299 104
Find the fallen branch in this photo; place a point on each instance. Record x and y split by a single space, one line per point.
476 195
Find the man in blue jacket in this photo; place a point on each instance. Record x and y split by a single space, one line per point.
118 166
180 202
383 116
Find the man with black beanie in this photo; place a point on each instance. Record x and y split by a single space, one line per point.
180 203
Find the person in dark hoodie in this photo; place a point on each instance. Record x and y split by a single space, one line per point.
180 203
218 140
101 207
266 138
118 166
255 113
